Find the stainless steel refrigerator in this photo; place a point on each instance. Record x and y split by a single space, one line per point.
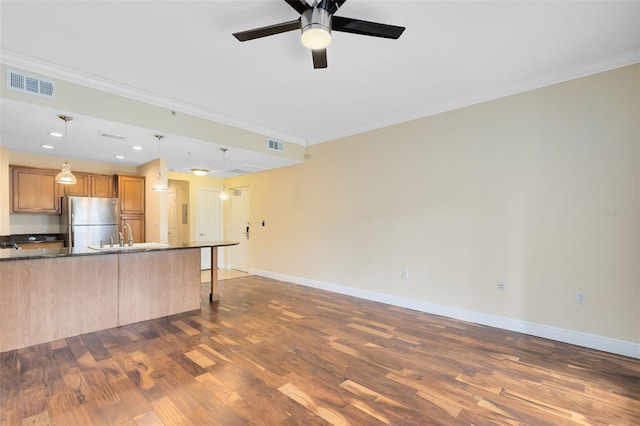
89 220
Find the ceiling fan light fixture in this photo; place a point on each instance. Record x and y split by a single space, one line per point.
316 28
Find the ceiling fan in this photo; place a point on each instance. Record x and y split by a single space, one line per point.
316 22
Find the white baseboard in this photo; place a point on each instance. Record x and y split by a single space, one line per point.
592 341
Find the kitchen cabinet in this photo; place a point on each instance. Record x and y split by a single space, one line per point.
136 222
101 186
40 245
90 185
78 189
131 194
34 191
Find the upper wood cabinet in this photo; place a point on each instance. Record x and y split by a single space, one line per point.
89 185
34 191
131 194
79 189
101 186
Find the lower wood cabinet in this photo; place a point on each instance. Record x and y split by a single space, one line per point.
84 294
40 245
136 222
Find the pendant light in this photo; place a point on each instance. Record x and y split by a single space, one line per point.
65 177
159 185
224 195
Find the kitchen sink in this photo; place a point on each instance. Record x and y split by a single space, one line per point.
135 246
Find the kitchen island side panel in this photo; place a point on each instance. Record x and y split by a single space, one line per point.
158 283
43 300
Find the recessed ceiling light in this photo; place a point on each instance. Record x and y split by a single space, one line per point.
46 146
136 148
119 157
55 134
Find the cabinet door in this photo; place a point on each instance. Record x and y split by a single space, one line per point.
34 191
40 245
79 189
131 194
137 227
101 186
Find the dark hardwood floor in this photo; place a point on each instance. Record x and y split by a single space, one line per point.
273 353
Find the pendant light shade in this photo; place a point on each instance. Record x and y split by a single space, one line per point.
65 177
224 195
159 186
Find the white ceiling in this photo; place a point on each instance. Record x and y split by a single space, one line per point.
182 55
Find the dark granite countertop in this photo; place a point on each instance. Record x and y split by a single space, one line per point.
45 253
36 238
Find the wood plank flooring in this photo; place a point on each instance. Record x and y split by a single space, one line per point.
272 353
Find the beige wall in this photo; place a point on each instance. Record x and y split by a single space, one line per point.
156 212
4 191
182 190
540 190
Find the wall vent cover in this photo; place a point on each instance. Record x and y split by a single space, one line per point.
28 84
276 146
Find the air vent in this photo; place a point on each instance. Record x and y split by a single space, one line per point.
28 84
110 136
276 146
239 171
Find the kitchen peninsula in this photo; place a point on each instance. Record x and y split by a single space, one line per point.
53 293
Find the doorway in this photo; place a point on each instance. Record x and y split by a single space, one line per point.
172 217
208 223
240 228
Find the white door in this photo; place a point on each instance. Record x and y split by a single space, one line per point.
172 217
240 229
208 222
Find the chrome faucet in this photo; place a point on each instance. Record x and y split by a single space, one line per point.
130 240
121 239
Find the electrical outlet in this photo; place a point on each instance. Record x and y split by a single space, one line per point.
581 298
500 286
405 275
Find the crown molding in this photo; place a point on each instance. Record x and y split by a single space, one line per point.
623 59
14 59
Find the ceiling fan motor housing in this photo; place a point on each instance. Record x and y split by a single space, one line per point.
316 28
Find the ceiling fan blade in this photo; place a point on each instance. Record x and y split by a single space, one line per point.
358 26
335 6
299 5
268 30
319 58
